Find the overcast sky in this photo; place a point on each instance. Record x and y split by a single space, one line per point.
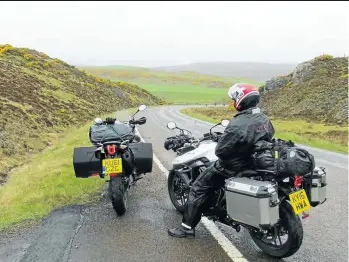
165 33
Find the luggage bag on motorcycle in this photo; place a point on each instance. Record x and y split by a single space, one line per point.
252 202
295 161
102 133
283 157
143 156
263 156
85 162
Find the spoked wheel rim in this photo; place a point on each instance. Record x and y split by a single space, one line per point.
276 237
180 190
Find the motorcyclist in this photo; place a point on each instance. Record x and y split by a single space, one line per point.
233 150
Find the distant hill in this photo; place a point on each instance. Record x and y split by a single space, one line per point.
150 75
253 70
40 96
317 90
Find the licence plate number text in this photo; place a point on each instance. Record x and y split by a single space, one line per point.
112 165
299 201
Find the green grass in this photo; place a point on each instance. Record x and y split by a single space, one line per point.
48 181
182 87
185 93
329 137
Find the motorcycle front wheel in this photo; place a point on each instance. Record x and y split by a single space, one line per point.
118 194
178 191
290 226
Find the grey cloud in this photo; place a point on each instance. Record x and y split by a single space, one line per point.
164 33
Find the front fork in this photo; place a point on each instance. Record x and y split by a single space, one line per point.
188 175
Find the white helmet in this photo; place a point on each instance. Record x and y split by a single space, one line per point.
243 95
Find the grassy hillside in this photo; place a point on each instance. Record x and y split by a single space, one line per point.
252 70
180 87
316 91
331 137
41 96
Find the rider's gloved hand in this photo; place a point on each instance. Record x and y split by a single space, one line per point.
177 144
109 120
167 144
214 137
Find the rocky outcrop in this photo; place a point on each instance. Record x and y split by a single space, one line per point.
316 90
275 83
302 72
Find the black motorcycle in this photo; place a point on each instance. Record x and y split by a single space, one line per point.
118 153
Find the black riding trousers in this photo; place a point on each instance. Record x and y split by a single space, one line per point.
200 192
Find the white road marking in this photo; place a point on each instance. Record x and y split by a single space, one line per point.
233 253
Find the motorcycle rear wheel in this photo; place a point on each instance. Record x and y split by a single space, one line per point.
118 194
290 223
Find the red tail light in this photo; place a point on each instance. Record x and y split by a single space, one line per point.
305 215
298 181
111 149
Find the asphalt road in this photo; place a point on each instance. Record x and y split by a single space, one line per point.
95 233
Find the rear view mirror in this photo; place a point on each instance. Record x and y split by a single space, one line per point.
98 121
225 122
142 107
171 125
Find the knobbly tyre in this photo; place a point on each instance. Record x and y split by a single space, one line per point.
117 152
265 202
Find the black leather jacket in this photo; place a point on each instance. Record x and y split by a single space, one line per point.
235 146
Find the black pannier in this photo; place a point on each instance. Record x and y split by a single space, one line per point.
85 162
143 156
282 157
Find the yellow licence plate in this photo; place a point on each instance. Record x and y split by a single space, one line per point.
112 165
299 201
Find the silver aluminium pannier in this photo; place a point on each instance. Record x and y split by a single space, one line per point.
318 192
252 202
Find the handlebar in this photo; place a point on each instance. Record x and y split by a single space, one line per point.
179 141
110 121
140 121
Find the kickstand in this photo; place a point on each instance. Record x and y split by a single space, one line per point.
135 179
